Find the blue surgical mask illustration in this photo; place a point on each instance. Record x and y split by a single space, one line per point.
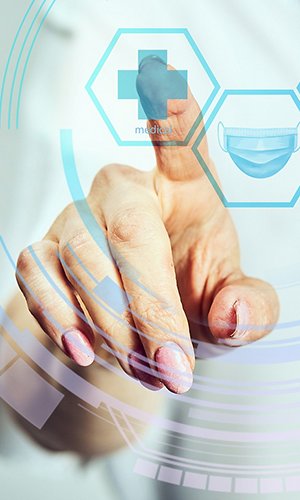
259 152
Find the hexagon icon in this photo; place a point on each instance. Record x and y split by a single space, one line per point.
121 111
272 118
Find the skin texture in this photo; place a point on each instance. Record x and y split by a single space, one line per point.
171 227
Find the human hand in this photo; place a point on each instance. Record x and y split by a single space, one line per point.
171 228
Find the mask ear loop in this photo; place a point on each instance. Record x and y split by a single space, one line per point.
298 138
221 136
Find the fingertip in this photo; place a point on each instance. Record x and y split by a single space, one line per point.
142 371
243 313
151 59
78 347
155 83
174 368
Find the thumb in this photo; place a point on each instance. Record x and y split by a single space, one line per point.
180 118
243 311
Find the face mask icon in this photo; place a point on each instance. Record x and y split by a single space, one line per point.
259 152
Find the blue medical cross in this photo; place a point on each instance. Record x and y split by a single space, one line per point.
176 86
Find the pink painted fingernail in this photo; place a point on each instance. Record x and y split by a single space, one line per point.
78 347
174 367
143 372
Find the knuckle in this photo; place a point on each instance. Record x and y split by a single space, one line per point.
133 227
69 212
105 176
109 177
152 315
25 260
70 216
75 244
108 170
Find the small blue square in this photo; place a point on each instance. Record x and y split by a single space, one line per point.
112 295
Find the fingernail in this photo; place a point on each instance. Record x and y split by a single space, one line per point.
242 320
174 367
150 59
78 347
143 372
233 342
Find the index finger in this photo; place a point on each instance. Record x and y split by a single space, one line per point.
136 232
